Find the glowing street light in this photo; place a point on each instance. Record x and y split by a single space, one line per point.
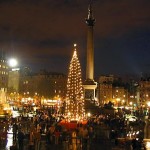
131 103
12 62
123 101
89 114
148 103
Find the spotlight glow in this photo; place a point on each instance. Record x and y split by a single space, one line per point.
13 62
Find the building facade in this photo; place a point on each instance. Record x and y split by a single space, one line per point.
105 89
109 91
44 84
144 90
3 74
13 80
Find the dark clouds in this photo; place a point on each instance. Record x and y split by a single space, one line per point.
42 33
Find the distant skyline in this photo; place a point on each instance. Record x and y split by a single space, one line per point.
41 34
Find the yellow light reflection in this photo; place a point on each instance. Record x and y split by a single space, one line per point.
148 145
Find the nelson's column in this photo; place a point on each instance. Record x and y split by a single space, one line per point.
89 84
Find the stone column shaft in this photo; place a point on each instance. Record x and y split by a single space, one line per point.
90 54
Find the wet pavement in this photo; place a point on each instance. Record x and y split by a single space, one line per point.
6 143
104 145
101 144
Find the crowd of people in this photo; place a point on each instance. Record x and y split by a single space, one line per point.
44 126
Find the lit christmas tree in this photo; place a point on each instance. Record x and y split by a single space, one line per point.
74 97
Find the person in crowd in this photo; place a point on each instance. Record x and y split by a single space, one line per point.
64 134
134 144
74 140
15 130
91 134
20 139
39 129
51 133
85 137
57 135
37 138
31 138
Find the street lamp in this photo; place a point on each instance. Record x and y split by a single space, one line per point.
148 103
131 103
12 62
89 114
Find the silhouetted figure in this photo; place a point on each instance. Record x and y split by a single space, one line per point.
15 130
134 144
20 139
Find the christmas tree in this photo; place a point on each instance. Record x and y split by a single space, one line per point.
74 97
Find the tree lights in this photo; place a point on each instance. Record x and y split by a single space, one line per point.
74 97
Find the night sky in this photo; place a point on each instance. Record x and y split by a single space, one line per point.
41 34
